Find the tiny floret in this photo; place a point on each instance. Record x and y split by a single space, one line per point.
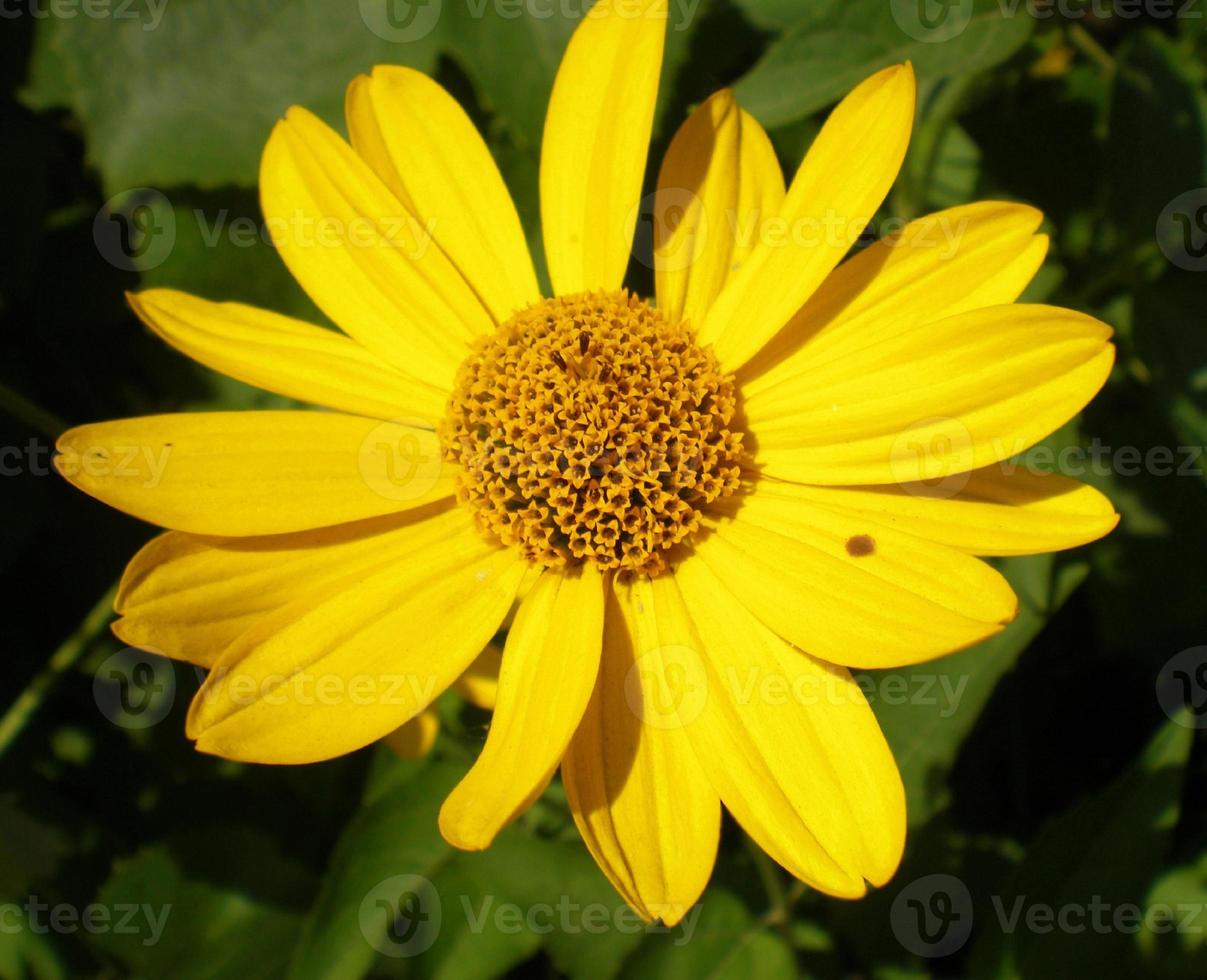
588 428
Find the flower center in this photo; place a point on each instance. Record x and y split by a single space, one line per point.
589 428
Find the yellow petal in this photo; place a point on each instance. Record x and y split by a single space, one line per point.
596 141
842 181
938 399
328 675
190 597
647 812
479 685
421 143
936 267
999 510
720 181
788 742
849 591
362 256
286 356
239 473
1007 283
548 672
415 739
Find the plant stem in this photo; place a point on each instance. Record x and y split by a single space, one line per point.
1084 42
941 112
61 661
778 912
36 417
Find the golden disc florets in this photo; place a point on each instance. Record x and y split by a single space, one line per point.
589 428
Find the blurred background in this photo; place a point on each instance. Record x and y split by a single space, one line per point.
1055 775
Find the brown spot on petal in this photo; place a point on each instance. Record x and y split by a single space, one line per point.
860 546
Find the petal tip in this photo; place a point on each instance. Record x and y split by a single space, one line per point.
458 824
670 915
901 74
357 86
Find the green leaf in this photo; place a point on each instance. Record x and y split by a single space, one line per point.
512 61
1179 953
394 835
836 44
217 247
28 955
957 169
1095 859
455 915
187 93
173 914
927 711
772 15
523 894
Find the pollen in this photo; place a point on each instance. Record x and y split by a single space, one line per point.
589 428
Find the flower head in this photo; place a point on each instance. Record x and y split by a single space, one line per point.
784 463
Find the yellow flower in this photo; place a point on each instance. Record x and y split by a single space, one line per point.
784 465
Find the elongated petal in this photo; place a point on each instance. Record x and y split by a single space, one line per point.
647 812
999 510
549 669
287 356
364 258
325 676
933 269
842 181
421 143
1007 283
788 742
719 182
596 141
190 597
852 592
936 400
240 473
